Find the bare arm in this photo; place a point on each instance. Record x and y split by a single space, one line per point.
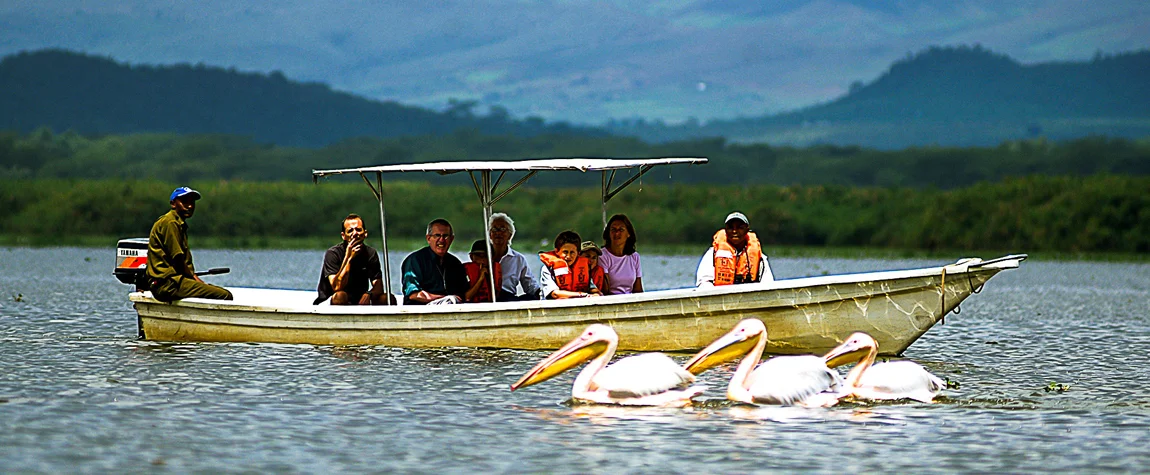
424 296
547 284
340 279
477 285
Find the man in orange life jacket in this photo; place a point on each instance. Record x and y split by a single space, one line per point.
564 274
735 256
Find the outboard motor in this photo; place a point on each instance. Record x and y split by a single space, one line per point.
132 262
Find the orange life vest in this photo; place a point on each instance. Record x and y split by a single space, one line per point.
484 293
599 278
728 265
575 278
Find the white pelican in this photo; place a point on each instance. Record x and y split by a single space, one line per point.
648 379
883 381
788 380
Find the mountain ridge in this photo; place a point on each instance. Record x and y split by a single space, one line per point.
947 96
955 96
65 90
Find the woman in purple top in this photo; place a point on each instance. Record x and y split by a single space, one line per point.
619 259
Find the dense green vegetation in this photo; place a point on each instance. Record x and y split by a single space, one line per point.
1058 214
178 159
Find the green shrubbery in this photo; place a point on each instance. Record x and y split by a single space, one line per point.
178 158
1105 213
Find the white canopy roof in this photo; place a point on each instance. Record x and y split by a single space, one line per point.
579 164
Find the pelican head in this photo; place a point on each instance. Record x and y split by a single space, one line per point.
734 345
854 349
591 343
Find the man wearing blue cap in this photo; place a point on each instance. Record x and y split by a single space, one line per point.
171 275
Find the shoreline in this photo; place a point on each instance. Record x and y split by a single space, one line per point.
320 244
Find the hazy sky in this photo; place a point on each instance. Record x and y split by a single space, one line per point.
574 60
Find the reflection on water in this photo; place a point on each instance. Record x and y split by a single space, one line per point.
78 391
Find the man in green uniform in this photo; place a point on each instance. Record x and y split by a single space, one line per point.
171 274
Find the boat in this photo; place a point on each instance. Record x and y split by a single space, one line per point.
804 315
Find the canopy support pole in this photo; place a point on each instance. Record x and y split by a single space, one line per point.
485 189
377 190
608 193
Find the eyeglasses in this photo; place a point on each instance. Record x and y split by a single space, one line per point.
440 236
500 229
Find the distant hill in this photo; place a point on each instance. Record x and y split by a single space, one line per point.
947 96
955 96
64 90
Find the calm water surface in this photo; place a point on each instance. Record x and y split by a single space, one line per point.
79 393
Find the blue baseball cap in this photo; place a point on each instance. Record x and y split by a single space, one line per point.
184 191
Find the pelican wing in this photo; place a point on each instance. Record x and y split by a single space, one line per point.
791 380
899 380
642 375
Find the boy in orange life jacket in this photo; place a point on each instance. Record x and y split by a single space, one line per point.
478 275
564 274
735 256
588 250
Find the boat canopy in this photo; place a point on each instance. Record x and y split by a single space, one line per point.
574 164
485 188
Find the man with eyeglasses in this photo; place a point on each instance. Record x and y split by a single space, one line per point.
516 273
432 276
348 267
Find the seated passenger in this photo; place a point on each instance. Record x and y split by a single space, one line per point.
516 271
479 275
564 274
620 259
432 275
735 256
348 268
171 274
589 251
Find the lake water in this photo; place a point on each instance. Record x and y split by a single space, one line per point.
79 392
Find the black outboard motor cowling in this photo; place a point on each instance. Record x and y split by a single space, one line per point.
132 262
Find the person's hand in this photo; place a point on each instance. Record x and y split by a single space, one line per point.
446 300
354 246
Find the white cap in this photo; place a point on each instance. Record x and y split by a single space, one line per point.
737 215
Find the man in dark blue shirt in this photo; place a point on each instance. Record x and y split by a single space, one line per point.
432 275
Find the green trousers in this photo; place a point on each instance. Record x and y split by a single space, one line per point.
177 288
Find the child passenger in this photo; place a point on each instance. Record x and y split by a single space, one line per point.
588 250
564 274
478 275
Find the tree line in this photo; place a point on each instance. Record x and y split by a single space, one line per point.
1099 213
43 154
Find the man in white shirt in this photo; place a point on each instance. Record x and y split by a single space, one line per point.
516 273
735 256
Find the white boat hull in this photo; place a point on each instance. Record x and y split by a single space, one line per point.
808 315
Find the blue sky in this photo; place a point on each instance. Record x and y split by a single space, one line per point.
580 61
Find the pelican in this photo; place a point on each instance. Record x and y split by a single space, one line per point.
883 381
788 380
648 379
